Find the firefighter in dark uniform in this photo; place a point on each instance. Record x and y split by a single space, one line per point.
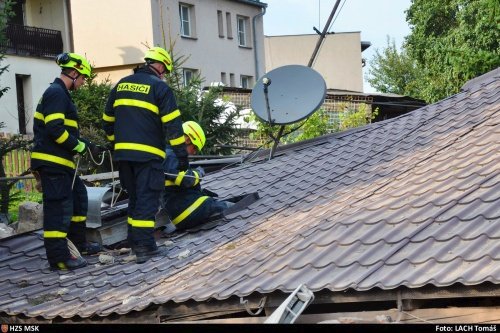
141 116
56 141
183 199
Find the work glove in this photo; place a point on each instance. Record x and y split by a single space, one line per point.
183 163
80 148
94 149
109 146
209 193
199 170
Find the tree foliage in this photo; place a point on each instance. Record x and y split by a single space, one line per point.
451 42
216 115
7 145
90 100
5 14
319 123
314 126
393 71
13 142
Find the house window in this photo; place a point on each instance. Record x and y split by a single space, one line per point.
223 78
245 81
229 26
231 80
243 30
21 83
186 15
221 24
188 74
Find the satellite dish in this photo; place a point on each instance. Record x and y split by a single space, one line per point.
288 94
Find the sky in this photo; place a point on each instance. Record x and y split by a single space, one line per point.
375 19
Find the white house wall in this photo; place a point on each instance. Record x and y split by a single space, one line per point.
207 52
40 74
112 33
338 60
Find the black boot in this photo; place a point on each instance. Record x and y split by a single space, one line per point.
89 248
70 264
143 254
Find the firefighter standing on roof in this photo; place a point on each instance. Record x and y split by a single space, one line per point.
56 140
141 116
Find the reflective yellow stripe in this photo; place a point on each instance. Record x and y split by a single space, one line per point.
78 219
70 123
179 141
169 183
39 116
136 103
63 137
54 116
111 137
53 159
179 178
110 119
141 223
54 234
140 147
197 178
189 210
172 115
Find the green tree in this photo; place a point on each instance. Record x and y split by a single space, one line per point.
90 100
314 126
208 107
5 14
393 72
451 42
355 118
13 142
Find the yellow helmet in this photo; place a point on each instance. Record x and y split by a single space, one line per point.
160 55
75 61
195 133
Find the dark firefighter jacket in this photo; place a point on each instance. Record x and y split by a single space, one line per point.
140 116
182 198
55 128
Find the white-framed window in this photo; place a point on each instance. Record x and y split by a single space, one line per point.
245 81
231 79
223 78
188 74
243 25
186 16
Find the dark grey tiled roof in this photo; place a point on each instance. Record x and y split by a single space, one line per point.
407 202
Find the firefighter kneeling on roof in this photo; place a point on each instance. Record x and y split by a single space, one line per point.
183 198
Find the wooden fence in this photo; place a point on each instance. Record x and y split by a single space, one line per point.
15 163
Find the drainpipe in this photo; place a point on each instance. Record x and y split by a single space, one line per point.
254 19
69 22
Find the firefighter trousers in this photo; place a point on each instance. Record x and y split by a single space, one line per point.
64 212
144 182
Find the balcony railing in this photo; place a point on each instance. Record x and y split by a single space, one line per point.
31 41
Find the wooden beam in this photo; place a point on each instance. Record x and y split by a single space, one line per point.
468 315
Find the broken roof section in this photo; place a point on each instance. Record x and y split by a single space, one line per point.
413 201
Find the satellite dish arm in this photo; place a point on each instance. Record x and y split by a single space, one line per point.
325 29
267 82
